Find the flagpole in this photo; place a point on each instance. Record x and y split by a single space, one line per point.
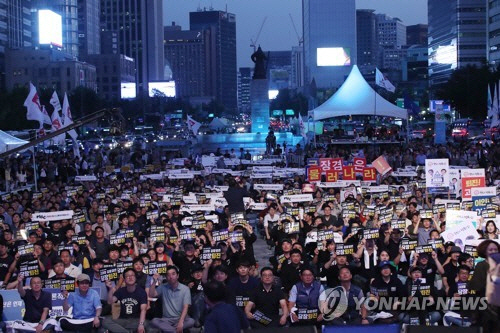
35 171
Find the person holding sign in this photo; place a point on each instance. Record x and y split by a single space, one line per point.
266 299
176 299
133 304
37 303
86 305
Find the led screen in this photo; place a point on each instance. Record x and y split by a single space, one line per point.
166 88
333 56
273 93
49 28
444 54
128 90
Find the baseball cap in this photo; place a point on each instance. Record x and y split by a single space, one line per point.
83 277
455 249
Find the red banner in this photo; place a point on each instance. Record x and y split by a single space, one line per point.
369 174
381 165
314 173
332 176
349 173
359 164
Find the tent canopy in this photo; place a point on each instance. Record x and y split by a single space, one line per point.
8 142
356 97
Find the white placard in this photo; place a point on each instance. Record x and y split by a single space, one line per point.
85 178
190 200
296 198
261 176
404 174
218 202
181 176
378 189
437 173
460 234
339 183
483 191
196 208
268 187
53 216
262 169
156 176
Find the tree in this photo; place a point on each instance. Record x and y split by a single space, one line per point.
466 91
83 101
13 112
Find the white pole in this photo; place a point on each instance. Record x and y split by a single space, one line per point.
35 170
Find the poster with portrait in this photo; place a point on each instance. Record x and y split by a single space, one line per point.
437 178
455 183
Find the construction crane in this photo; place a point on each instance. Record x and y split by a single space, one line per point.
299 39
114 117
254 42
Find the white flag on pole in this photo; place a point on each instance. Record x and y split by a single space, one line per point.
382 81
54 101
46 117
302 127
32 103
57 125
193 125
67 118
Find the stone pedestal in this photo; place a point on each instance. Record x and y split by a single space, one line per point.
259 103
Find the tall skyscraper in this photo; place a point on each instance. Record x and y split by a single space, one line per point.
139 32
15 18
366 25
223 34
188 54
89 33
493 32
329 28
297 79
457 36
244 80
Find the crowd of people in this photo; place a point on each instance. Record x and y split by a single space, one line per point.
143 252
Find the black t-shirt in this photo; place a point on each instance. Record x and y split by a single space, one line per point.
450 272
130 303
394 288
4 266
34 307
267 302
429 273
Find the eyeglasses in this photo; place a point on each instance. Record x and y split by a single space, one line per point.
83 282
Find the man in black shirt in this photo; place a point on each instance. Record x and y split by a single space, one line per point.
266 299
387 285
133 304
234 196
37 304
5 260
185 260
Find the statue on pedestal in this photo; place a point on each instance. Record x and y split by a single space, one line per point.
259 58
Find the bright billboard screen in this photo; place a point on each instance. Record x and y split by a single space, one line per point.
166 88
128 90
49 28
333 56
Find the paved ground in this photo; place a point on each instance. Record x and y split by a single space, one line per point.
262 252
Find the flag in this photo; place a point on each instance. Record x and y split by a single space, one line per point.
382 81
57 125
302 127
46 117
67 118
54 101
193 125
411 106
32 103
494 110
381 165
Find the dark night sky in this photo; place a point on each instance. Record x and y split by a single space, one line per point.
277 33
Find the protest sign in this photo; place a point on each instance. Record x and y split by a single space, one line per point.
460 234
359 164
436 175
471 178
53 216
381 165
296 198
457 217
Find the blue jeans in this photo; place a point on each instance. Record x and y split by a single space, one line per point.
462 322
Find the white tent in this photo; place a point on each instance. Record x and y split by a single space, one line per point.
8 142
356 97
218 123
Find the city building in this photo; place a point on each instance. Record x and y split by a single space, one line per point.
329 28
493 32
297 78
391 32
189 54
222 27
15 20
415 71
366 26
111 71
392 58
47 69
416 34
456 37
89 33
138 29
244 80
